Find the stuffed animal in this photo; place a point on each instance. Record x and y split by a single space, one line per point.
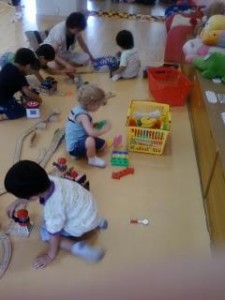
214 38
216 22
195 48
213 33
212 66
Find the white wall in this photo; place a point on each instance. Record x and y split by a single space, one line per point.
60 7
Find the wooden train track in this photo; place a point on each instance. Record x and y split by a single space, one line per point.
5 253
56 141
20 140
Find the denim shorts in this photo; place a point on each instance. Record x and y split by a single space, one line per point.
80 148
13 110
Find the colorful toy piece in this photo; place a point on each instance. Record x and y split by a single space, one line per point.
124 172
20 226
71 173
120 158
49 85
109 61
32 109
117 141
61 164
100 124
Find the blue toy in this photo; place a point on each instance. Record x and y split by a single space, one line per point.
112 62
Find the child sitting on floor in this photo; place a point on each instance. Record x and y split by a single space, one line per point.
63 37
45 53
81 135
69 210
129 60
13 80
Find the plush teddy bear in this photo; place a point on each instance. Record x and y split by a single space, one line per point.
211 67
195 48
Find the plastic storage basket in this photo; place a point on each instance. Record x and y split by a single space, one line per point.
147 140
168 85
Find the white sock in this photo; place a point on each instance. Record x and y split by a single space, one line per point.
116 77
87 252
96 162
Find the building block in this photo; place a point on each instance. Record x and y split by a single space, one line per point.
124 172
120 158
20 225
117 141
33 109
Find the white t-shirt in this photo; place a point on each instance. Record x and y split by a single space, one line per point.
130 60
70 207
57 38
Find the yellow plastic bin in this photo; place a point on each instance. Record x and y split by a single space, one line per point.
148 126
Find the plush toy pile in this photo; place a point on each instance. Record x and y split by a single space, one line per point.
207 51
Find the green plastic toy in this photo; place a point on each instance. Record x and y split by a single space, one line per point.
212 66
100 124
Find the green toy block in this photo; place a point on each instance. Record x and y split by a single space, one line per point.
100 124
120 158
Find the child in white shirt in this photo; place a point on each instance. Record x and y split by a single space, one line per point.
69 210
129 61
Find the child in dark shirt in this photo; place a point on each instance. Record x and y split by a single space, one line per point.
45 53
13 80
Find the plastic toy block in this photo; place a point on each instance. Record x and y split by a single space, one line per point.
120 158
123 162
117 141
20 225
100 124
124 172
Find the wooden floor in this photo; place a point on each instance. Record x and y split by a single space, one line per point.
164 189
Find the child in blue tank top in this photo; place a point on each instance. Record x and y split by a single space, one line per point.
81 134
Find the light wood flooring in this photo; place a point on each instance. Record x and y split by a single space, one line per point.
164 189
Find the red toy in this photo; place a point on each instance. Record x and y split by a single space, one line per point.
71 173
124 172
61 164
22 217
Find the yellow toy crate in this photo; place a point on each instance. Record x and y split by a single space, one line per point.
142 138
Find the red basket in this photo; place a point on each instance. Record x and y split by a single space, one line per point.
168 85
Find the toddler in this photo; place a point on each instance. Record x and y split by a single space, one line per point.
81 134
129 60
13 80
69 210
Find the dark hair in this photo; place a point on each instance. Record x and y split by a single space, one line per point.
124 39
76 20
47 51
24 56
26 179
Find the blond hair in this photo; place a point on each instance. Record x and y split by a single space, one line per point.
90 94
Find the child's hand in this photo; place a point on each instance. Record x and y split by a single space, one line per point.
42 261
107 126
13 206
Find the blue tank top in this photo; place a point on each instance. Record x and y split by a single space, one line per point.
74 130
